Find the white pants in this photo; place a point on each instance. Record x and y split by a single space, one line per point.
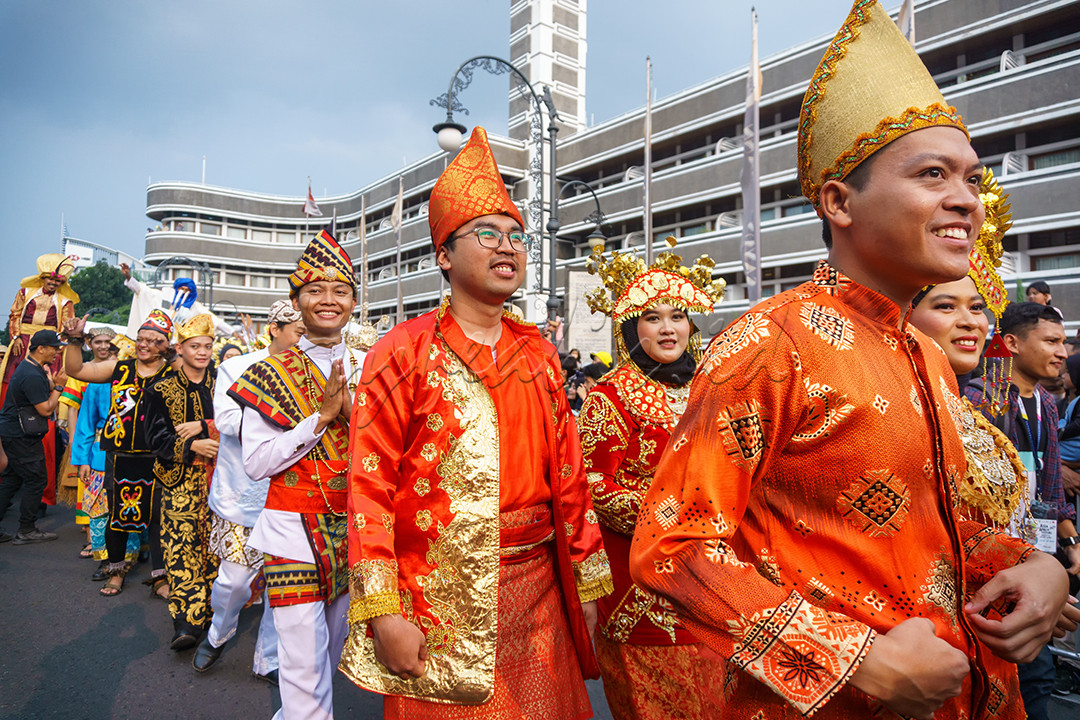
310 640
227 597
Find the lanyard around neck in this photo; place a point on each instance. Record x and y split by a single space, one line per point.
1034 438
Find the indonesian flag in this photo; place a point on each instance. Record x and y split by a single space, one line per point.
310 208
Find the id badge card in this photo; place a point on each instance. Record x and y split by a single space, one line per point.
1034 530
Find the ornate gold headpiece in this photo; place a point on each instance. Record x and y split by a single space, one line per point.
869 89
985 256
198 326
635 287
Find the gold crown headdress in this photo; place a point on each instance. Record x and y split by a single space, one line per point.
198 326
635 287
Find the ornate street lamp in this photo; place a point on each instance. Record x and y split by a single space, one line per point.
450 135
594 239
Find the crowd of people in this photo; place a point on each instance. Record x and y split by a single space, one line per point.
859 499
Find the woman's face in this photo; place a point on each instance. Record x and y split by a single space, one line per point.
663 333
952 314
230 353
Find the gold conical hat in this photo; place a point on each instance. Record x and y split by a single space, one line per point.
869 89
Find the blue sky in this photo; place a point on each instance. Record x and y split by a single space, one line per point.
101 96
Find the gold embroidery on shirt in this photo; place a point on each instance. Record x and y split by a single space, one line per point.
370 463
434 422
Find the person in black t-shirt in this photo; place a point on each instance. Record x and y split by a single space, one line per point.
33 385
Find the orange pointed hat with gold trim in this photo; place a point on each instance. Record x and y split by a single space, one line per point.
470 187
869 89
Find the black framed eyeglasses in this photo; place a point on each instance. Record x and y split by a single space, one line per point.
492 239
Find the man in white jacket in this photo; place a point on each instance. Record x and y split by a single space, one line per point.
236 500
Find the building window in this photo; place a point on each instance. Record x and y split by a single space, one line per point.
286 237
1055 262
181 226
209 229
237 233
235 279
262 236
260 281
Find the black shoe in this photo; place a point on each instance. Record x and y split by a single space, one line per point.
5 537
33 536
144 555
102 572
1066 680
206 655
270 677
186 637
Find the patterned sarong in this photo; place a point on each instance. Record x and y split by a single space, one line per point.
289 582
132 476
229 541
537 674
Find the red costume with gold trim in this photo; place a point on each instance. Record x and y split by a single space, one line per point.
448 445
469 512
646 656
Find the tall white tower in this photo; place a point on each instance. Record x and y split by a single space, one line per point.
547 43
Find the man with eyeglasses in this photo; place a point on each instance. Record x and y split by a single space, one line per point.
474 551
134 498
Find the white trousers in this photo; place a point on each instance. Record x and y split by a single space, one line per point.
310 640
228 596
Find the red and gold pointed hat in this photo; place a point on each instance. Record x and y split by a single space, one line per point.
324 260
470 187
869 89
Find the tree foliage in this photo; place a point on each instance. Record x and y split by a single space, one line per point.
102 286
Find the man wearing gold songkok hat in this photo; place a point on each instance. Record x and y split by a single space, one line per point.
180 433
295 430
475 555
43 302
804 519
236 501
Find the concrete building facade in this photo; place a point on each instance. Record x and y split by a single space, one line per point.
1011 67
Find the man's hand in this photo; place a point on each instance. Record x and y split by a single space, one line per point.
1069 618
589 609
189 429
334 397
912 670
1073 553
1038 588
205 447
125 270
16 346
75 327
1070 479
400 646
84 472
59 377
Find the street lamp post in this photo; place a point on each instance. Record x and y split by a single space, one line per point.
597 235
450 135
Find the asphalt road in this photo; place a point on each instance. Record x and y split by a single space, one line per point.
66 653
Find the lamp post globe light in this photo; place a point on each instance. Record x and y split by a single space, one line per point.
450 136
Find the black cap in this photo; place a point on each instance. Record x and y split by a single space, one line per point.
45 338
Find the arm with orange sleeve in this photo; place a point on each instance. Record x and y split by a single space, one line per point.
694 507
380 418
605 436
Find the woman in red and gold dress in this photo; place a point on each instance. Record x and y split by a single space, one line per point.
651 665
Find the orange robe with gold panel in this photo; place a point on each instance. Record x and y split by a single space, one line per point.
466 470
653 667
808 501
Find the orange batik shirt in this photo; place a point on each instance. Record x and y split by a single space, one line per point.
807 501
444 439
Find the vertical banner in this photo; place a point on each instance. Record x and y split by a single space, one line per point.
750 178
906 20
